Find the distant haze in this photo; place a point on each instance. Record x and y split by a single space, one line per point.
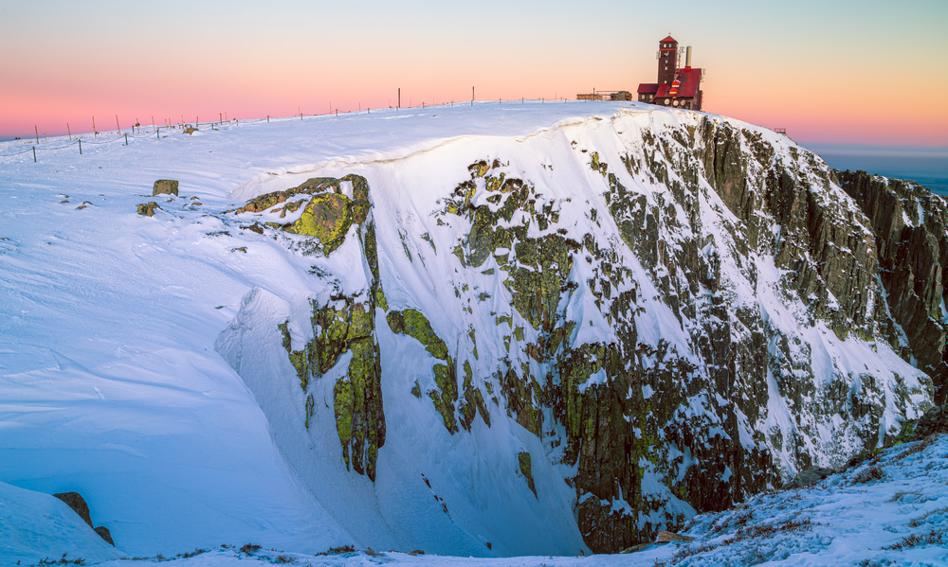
831 72
927 166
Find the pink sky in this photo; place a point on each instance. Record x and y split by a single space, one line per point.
851 72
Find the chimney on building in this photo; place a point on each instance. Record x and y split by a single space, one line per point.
688 57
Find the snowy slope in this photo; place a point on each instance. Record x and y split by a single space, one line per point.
142 362
898 518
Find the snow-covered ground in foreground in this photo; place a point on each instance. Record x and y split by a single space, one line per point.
887 511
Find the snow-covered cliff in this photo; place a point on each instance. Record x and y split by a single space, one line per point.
507 330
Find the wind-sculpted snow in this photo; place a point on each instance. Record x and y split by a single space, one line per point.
507 330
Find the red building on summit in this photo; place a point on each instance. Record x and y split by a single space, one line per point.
678 87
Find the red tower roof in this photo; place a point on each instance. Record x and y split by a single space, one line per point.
669 39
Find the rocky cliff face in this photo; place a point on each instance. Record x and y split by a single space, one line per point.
910 224
611 324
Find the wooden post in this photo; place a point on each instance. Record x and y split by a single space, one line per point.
117 127
220 116
126 139
68 131
399 103
472 95
94 131
268 118
36 131
157 133
34 154
80 146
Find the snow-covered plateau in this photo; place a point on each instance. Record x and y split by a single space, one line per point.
506 331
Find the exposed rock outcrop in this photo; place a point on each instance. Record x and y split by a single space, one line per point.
165 187
910 224
78 504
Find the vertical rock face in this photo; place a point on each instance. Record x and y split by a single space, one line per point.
665 313
910 225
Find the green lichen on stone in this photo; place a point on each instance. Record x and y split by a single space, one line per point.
360 205
473 400
537 283
525 465
327 218
327 215
342 408
598 166
310 409
268 200
413 323
357 403
147 209
446 395
298 358
471 334
346 324
522 393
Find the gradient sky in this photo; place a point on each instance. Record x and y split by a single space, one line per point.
831 71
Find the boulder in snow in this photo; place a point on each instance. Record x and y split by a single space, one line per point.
165 187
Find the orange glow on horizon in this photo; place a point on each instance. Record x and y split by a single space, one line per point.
839 73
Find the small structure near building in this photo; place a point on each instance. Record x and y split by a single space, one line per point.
605 95
678 87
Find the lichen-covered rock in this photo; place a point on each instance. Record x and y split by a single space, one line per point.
147 209
344 325
525 465
165 187
413 323
327 218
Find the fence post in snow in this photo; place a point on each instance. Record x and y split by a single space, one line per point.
34 154
80 146
68 131
268 118
126 139
157 135
36 131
